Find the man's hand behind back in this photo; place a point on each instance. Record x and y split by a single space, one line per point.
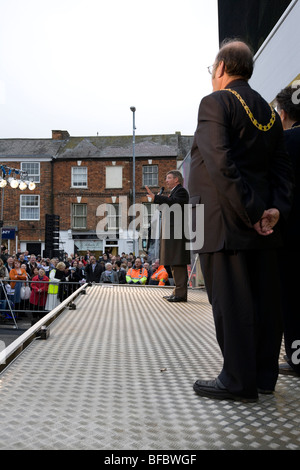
267 222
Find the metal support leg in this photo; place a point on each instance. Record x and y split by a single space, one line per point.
8 303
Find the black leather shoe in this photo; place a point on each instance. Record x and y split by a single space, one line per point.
168 296
174 298
214 389
264 391
286 369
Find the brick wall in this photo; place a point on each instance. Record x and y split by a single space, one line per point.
63 196
96 193
29 230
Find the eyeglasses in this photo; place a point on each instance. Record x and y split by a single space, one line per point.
210 69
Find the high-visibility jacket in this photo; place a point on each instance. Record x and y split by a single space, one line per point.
136 275
160 276
53 284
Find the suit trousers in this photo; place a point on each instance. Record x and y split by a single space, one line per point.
243 288
179 273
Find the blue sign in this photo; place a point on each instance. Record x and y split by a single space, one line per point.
8 233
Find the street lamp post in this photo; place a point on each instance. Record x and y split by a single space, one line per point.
133 109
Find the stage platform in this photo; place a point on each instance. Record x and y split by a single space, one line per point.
117 373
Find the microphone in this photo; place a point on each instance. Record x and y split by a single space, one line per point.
161 191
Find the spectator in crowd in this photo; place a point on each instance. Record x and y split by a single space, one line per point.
159 274
17 274
74 277
88 255
4 276
104 258
137 274
149 271
22 259
83 261
4 253
38 296
121 273
56 276
93 270
52 263
109 275
44 265
32 264
81 272
9 264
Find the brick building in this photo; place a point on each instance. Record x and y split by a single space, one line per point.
87 181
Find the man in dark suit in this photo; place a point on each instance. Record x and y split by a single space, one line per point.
288 106
173 241
241 172
93 270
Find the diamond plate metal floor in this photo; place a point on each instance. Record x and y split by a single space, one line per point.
117 373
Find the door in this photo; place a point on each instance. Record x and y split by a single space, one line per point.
34 248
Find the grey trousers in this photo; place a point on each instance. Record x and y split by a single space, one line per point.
180 277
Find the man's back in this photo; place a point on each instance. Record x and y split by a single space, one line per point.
234 165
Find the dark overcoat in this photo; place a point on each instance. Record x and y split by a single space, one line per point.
174 240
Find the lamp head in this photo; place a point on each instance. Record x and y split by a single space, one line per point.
22 185
31 185
132 109
13 182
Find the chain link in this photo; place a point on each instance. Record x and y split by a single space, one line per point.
259 126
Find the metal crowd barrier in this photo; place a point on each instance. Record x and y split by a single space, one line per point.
32 298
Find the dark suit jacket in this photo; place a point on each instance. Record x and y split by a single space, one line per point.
238 171
93 276
173 249
292 229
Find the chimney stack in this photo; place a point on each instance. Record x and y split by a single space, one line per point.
60 135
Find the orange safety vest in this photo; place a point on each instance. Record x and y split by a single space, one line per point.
136 275
160 275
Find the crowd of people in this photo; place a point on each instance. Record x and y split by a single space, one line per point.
39 284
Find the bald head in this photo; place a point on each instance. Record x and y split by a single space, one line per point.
237 58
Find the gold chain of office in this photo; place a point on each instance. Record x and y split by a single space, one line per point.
259 126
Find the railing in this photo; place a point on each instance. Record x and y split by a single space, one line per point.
32 298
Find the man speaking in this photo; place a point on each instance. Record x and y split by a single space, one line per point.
173 251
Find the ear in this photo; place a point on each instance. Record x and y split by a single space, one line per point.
220 69
283 115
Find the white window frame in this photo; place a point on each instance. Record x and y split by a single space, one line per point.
22 198
152 173
36 177
79 169
114 216
76 217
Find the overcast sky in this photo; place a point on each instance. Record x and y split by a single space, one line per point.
78 65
